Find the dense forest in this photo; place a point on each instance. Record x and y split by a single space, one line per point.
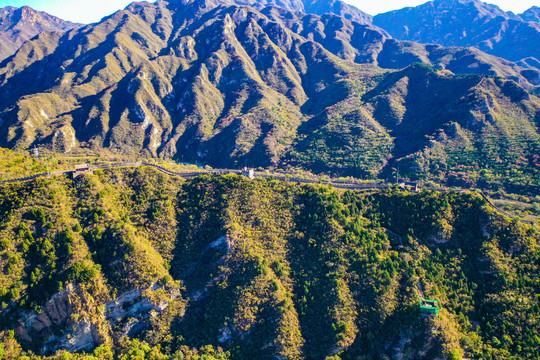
134 264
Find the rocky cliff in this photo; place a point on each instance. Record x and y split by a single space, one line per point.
18 25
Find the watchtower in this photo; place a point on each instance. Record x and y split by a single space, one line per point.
429 307
250 173
81 169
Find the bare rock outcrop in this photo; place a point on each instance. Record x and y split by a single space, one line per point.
56 312
65 325
130 312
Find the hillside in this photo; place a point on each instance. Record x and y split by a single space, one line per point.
438 137
532 14
20 24
232 86
368 44
317 7
261 269
465 23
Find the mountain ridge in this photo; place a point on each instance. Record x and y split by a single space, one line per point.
317 7
531 14
235 86
465 23
20 24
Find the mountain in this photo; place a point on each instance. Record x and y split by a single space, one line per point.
368 44
465 23
318 7
132 263
429 122
532 14
20 24
231 85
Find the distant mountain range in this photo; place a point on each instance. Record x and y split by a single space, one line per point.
467 23
317 7
20 24
229 85
533 14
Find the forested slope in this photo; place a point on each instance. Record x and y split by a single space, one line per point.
262 269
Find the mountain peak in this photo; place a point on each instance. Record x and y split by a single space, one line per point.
20 24
483 8
532 14
465 23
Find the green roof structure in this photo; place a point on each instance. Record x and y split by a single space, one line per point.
429 307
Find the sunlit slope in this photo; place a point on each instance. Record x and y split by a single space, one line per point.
263 269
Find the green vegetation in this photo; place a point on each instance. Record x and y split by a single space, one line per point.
262 89
524 207
14 165
129 263
128 350
260 269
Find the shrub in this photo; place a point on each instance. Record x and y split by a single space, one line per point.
82 272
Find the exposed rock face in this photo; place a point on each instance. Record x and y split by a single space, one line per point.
81 337
56 312
58 315
20 24
223 243
129 313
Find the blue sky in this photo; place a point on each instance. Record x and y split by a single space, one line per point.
86 11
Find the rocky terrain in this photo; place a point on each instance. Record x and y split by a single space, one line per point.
467 23
20 24
233 85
